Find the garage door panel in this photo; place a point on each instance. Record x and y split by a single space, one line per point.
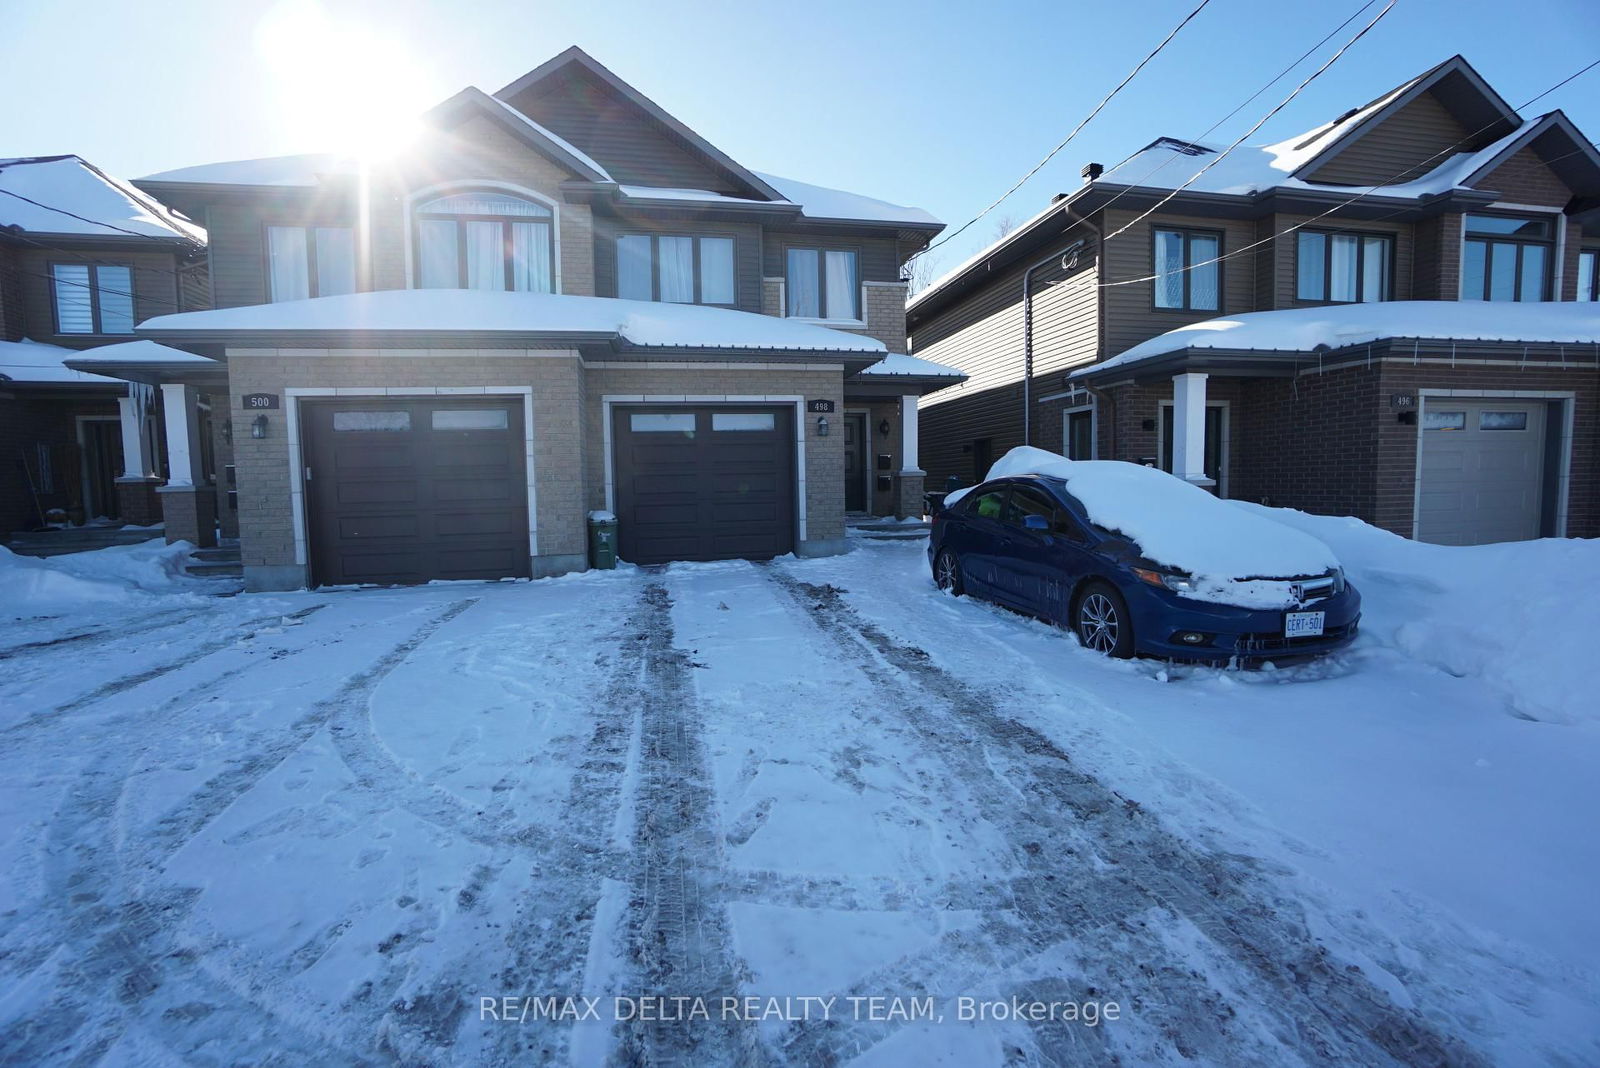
707 496
411 504
1479 486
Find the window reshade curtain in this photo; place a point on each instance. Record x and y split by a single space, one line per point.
74 303
804 299
633 268
841 282
530 257
114 288
677 269
486 256
336 260
289 269
437 255
716 270
1203 273
1169 269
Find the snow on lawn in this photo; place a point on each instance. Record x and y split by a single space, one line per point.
1442 840
118 575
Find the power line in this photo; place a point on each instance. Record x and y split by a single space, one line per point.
1331 60
91 222
1075 130
1368 191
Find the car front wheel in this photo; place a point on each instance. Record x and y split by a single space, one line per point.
1101 621
947 572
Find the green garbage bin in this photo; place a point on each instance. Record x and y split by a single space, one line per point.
602 540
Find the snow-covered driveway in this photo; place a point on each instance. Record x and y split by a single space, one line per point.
367 828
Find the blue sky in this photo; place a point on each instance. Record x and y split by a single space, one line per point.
938 104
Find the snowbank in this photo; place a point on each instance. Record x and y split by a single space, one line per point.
1180 526
1517 615
121 574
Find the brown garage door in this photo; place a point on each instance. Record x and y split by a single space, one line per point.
407 491
704 483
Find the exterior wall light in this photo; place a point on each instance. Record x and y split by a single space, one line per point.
883 429
258 427
822 426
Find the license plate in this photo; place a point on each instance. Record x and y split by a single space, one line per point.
1303 624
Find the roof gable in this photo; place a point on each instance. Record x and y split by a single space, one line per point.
1549 161
627 132
1407 128
472 102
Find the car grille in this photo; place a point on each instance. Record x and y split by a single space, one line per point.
1273 643
1308 590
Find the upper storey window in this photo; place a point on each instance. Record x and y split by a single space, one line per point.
1343 268
484 240
1589 275
675 269
823 284
1187 269
1506 257
93 298
310 261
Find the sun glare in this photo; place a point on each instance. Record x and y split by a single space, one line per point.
341 84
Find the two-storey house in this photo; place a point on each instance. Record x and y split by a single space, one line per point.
1390 316
560 300
83 257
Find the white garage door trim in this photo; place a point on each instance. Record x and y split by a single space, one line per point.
297 485
1563 425
610 400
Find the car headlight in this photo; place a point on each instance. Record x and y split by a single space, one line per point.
1173 581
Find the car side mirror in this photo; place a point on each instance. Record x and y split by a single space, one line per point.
1039 523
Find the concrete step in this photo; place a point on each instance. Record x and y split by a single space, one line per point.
76 539
216 569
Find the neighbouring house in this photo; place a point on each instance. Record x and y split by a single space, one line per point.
559 300
1391 316
83 257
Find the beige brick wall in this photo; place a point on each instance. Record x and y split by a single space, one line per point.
824 462
266 526
886 313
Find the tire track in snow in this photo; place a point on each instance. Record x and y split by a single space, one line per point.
1317 1009
678 930
118 925
155 621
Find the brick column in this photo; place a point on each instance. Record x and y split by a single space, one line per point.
909 498
190 513
137 503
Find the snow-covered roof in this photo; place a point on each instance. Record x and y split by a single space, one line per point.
141 351
652 192
463 311
1292 153
33 362
820 202
1227 550
1340 325
306 169
899 364
68 195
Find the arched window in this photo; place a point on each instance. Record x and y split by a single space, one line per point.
485 240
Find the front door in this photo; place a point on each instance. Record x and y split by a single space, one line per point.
1216 423
855 461
102 463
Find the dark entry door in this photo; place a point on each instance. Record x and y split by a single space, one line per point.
855 462
704 483
408 491
102 463
1213 443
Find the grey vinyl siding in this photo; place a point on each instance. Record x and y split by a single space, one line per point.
155 290
946 431
1130 312
616 134
1398 149
878 259
11 325
746 252
194 286
1286 265
237 243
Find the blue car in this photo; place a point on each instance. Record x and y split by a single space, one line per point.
1026 543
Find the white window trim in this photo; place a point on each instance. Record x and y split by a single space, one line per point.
1223 480
609 401
1093 408
1568 401
408 217
297 470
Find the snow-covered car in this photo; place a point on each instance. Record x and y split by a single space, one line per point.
1136 561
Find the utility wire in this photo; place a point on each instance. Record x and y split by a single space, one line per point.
1395 179
92 222
1075 130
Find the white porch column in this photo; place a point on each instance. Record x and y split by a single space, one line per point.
181 410
136 459
1189 428
908 436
